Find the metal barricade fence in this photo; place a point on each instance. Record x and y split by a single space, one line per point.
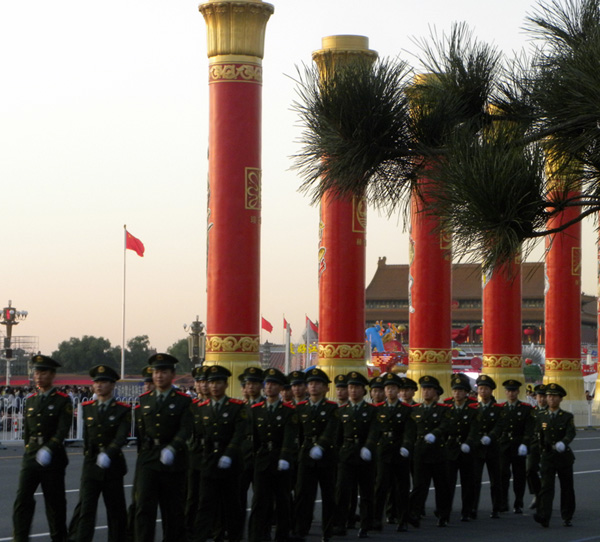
12 410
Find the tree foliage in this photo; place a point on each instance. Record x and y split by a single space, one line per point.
80 355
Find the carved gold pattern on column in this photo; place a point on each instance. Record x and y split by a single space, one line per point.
568 364
339 350
431 355
245 73
576 261
232 343
252 180
502 361
359 214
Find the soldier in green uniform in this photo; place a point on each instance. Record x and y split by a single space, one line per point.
485 431
376 390
48 418
298 382
555 430
164 424
106 426
514 441
431 424
317 458
533 459
356 468
393 432
341 389
408 388
221 424
458 444
275 433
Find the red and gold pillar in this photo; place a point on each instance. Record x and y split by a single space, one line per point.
430 294
502 335
596 401
236 32
563 307
342 246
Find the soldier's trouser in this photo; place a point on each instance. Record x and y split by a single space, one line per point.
492 461
546 495
464 465
392 481
424 473
533 472
517 465
270 486
309 477
349 478
52 481
192 500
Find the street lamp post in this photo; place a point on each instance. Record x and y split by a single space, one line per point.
196 342
10 317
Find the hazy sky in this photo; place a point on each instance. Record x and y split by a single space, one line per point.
104 109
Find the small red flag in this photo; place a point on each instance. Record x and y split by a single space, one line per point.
286 325
314 327
266 325
133 243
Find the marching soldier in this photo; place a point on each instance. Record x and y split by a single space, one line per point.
341 389
275 432
356 468
555 430
458 444
517 431
533 459
298 382
376 390
164 425
147 383
222 425
485 431
48 418
317 458
106 426
431 424
408 388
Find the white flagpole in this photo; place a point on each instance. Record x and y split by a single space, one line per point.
287 347
307 363
124 283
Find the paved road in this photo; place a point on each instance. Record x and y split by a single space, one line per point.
586 521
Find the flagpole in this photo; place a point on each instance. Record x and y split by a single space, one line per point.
287 348
124 283
307 362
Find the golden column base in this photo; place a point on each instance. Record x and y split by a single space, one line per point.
235 353
340 358
502 367
433 362
567 373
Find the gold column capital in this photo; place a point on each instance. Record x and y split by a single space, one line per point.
341 50
236 27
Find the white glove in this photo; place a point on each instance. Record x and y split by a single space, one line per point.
429 438
522 450
167 457
283 465
365 454
485 440
560 446
404 452
43 456
224 462
316 452
103 461
465 448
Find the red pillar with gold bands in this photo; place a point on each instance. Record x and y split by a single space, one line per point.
502 335
236 31
342 246
563 305
430 293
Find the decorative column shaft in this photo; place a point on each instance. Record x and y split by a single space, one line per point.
236 31
596 400
342 245
502 333
430 294
563 309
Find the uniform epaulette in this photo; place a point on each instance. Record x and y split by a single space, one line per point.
305 402
136 406
500 404
196 400
445 405
181 393
204 403
120 403
331 402
473 405
61 394
289 404
369 404
401 402
236 401
415 405
146 393
380 404
526 405
257 404
86 403
448 400
345 405
32 394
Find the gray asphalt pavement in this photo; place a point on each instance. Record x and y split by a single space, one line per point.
586 523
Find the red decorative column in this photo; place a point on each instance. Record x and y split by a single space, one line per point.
430 294
563 307
502 335
342 245
236 31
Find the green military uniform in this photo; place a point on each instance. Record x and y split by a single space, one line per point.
164 424
533 458
431 426
318 431
105 431
391 431
485 431
275 434
222 428
47 421
555 431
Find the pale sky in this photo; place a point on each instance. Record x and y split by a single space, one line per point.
104 122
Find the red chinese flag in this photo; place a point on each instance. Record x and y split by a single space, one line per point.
266 325
314 327
286 325
133 243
